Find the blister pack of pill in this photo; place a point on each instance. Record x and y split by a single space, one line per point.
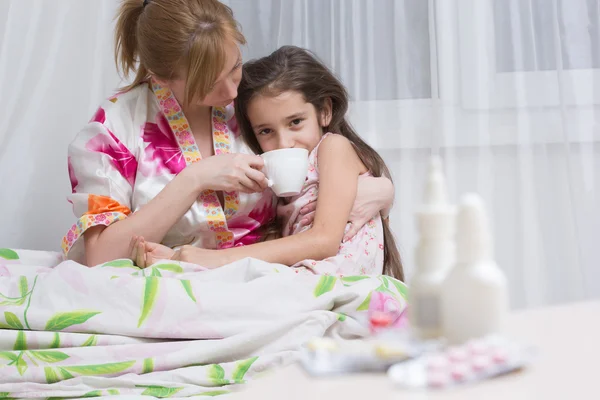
473 361
322 356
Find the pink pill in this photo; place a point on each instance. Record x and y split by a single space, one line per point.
457 354
480 363
459 372
437 363
500 356
438 380
477 348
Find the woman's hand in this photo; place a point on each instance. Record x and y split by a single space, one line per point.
144 254
374 195
229 173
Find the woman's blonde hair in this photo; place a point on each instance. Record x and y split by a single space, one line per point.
168 38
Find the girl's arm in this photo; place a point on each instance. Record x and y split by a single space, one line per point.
339 168
373 196
153 220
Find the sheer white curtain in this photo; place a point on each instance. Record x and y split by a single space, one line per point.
55 66
507 91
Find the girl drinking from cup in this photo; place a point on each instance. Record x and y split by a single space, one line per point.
289 100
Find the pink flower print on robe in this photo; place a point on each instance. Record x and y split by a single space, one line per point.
72 177
246 229
162 147
120 156
171 106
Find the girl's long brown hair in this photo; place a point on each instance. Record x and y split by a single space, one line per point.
294 69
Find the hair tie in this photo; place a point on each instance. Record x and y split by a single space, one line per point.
146 3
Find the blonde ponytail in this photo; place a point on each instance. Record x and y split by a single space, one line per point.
175 39
126 41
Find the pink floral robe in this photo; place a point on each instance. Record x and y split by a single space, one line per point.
135 144
361 255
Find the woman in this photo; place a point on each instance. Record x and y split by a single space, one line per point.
162 157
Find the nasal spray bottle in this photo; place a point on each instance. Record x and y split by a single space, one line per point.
434 255
474 294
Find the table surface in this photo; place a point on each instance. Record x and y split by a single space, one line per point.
566 336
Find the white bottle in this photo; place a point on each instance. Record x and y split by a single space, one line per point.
474 294
434 255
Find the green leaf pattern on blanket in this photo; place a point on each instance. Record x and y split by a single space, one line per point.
386 282
12 320
56 374
91 341
16 301
400 286
188 289
4 395
21 342
216 374
100 393
155 269
94 393
46 356
55 341
160 392
8 355
326 284
365 304
148 366
23 286
65 374
100 369
150 293
21 365
175 268
16 360
241 368
51 375
120 264
49 356
350 280
213 393
8 254
63 320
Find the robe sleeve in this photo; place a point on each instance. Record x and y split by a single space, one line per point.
102 169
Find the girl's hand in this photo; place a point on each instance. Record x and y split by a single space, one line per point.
374 195
229 172
203 257
144 254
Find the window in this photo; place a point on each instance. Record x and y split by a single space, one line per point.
528 52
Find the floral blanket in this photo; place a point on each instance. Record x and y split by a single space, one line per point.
172 330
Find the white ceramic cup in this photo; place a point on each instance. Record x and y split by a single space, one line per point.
286 170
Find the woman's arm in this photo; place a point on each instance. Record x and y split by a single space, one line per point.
373 196
339 168
224 172
153 221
